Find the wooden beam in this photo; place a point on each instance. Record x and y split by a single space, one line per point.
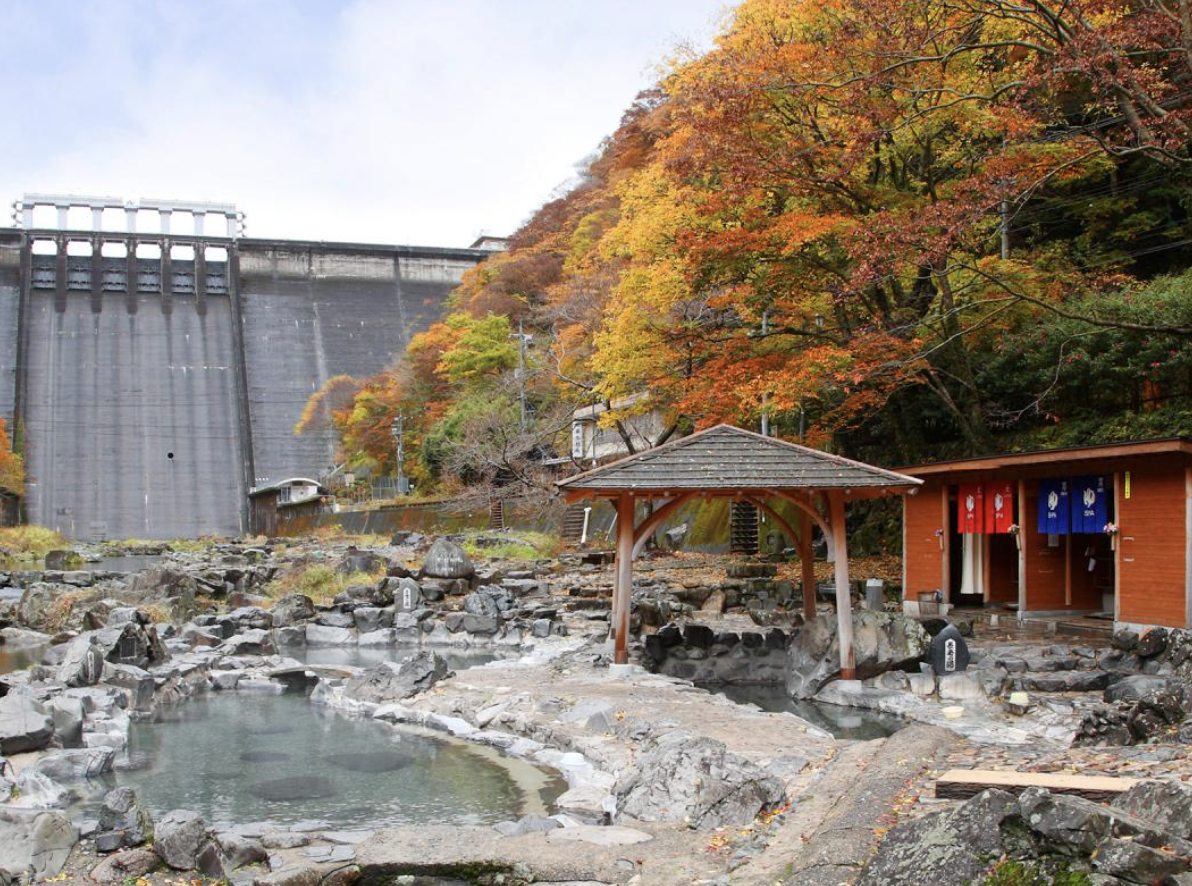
643 532
844 603
961 784
623 590
1032 459
808 508
807 563
760 504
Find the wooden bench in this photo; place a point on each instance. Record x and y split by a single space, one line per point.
960 784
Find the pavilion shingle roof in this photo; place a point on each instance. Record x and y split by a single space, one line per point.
725 457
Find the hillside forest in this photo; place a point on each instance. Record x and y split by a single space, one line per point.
899 230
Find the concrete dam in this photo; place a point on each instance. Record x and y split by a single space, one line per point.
154 379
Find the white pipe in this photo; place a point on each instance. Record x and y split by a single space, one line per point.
583 536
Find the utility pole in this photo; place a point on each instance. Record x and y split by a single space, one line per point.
398 437
765 396
1005 219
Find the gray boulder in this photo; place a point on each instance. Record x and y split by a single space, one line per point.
136 684
882 642
34 843
76 764
446 559
122 866
40 607
180 838
293 609
950 846
360 561
1134 687
1167 804
490 601
67 714
696 779
82 664
321 635
63 560
123 821
253 642
390 682
527 824
25 725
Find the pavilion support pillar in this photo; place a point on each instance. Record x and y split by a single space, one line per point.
844 605
807 562
623 587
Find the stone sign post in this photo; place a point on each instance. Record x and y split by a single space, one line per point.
949 652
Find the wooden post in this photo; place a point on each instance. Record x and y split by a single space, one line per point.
1187 547
946 545
807 561
1068 569
844 605
623 589
1022 530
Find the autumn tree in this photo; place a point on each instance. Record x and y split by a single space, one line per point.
12 468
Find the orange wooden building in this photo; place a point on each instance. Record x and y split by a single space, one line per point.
1092 529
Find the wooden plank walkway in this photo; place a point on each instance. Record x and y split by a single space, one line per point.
960 784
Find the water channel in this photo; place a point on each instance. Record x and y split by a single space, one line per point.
855 724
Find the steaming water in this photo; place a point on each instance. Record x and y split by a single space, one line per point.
238 758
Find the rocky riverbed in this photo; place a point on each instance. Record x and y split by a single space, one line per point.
658 781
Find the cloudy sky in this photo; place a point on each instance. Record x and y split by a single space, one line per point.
391 121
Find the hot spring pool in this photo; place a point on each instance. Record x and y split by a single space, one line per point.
238 758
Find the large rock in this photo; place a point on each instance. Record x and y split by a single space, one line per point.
1134 687
25 725
76 764
123 821
950 846
390 682
45 606
446 559
321 635
293 609
490 601
167 583
63 560
131 864
696 779
360 561
179 838
34 843
68 716
1166 803
82 664
881 641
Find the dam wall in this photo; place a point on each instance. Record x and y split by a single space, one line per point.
157 378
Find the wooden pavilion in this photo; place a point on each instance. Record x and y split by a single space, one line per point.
728 462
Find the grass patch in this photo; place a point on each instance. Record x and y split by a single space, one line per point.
320 582
519 545
1015 873
29 542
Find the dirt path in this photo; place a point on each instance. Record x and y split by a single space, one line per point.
831 831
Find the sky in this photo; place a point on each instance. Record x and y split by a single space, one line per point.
422 122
